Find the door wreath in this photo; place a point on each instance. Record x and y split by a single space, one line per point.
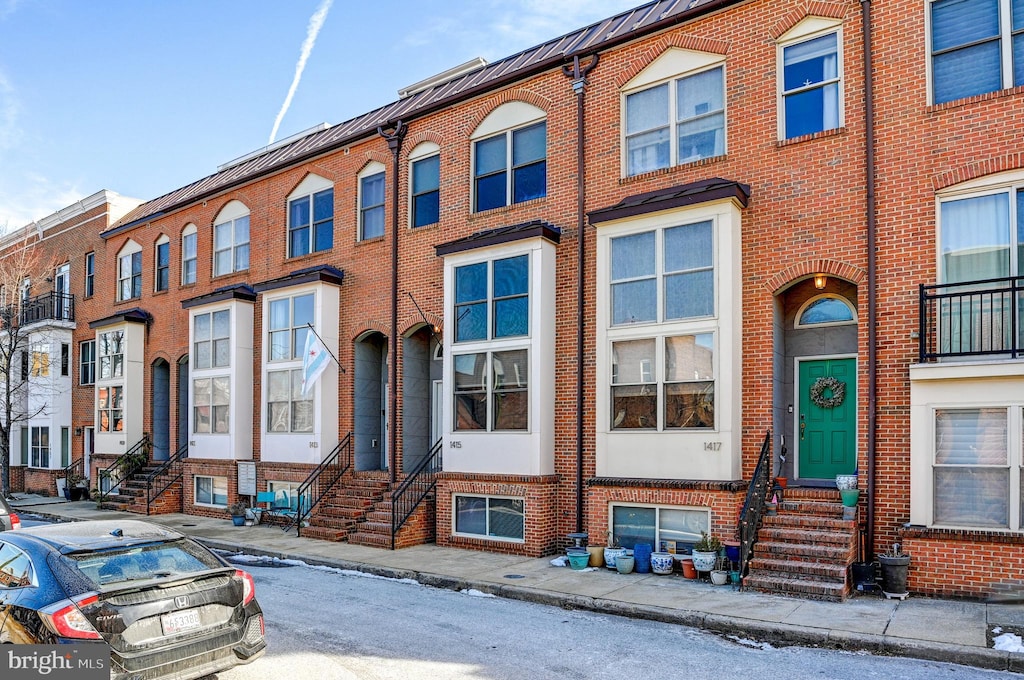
833 385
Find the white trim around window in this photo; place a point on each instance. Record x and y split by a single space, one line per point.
210 491
231 239
809 86
500 518
189 254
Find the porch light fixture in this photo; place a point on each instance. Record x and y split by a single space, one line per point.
819 281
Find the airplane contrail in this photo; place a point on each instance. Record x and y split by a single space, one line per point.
315 22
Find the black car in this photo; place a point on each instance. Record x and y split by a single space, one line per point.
8 519
166 605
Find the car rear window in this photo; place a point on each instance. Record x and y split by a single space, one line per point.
155 560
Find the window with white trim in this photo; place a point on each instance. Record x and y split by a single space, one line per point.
977 470
497 182
976 46
371 201
129 271
189 254
210 490
655 525
810 90
290 319
425 177
40 358
40 448
231 239
287 409
212 401
90 274
87 362
491 390
490 516
111 354
677 121
311 222
825 310
211 339
162 257
110 408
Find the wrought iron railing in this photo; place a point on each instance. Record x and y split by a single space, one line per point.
754 504
414 488
320 481
48 306
123 467
164 477
74 471
972 318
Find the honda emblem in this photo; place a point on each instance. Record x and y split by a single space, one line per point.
181 601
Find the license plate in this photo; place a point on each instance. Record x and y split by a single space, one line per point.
178 622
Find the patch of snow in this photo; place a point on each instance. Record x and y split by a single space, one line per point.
561 561
997 630
265 559
473 592
1008 642
750 643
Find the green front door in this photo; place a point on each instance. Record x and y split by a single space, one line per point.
826 430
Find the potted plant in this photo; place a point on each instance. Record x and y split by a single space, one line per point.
705 552
237 512
76 486
612 551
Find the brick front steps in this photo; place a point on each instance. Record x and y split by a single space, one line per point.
806 549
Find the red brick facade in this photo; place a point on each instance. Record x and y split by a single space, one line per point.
806 215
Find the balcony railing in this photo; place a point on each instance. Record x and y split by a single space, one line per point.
972 319
47 307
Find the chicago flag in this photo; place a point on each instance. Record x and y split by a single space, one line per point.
314 361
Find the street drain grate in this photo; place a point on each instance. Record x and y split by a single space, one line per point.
514 576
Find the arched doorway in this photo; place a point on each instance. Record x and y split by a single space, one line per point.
421 371
183 393
161 410
371 402
816 381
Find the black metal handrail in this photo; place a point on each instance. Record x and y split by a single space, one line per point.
971 318
77 463
123 467
320 481
174 469
753 505
414 488
53 305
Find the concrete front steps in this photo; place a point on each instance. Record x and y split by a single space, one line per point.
806 549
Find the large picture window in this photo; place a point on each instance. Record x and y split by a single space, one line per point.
491 390
633 524
675 122
492 299
977 46
287 409
489 516
210 490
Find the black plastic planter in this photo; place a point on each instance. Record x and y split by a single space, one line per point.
894 573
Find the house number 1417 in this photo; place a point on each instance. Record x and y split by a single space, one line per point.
712 446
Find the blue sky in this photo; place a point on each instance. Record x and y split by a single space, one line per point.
142 97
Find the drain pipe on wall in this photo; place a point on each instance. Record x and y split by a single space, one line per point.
869 143
579 86
393 134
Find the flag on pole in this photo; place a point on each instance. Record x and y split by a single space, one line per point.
314 361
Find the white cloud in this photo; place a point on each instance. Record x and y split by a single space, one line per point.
31 197
315 22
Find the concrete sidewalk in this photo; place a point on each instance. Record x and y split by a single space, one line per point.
923 628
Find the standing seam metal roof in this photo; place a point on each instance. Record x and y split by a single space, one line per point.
620 28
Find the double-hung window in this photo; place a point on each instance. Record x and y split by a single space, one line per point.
40 450
977 46
496 181
189 256
211 337
212 399
492 307
288 410
811 89
371 206
111 354
90 274
110 404
311 223
678 121
210 490
662 372
211 340
129 275
163 264
87 362
426 194
231 246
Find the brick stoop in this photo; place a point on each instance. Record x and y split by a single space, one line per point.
806 549
336 517
131 496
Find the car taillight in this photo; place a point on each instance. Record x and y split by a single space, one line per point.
66 620
248 586
15 521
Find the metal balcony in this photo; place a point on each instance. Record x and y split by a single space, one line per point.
972 319
47 307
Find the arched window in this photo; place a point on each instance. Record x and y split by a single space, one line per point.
510 156
425 176
231 239
162 258
189 238
371 201
822 310
129 271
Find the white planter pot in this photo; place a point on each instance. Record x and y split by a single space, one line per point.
846 482
661 563
704 561
719 577
611 555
